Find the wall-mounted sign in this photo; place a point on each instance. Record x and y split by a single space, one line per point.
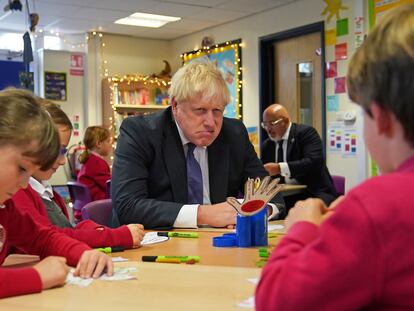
55 85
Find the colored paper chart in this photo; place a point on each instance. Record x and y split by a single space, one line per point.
331 69
340 85
335 130
342 27
333 103
330 37
341 51
350 143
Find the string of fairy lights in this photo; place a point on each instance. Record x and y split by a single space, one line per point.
236 45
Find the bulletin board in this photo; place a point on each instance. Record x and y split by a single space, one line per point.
56 86
377 9
227 58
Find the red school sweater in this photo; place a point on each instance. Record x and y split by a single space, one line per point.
93 174
95 235
359 258
19 230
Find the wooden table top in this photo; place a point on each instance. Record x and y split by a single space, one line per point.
217 282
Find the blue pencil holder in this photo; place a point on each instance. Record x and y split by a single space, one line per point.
243 231
259 228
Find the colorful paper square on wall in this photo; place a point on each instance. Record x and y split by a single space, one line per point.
331 69
330 37
333 103
342 27
341 51
340 85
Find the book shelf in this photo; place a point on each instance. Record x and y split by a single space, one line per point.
129 96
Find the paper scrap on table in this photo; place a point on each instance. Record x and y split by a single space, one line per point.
119 259
152 237
275 227
120 274
248 303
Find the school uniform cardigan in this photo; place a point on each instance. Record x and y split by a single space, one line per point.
19 230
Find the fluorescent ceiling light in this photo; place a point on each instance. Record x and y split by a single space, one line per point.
5 15
147 20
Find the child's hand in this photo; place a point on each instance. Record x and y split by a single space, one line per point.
137 232
52 271
311 210
93 263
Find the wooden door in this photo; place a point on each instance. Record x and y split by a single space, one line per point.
297 73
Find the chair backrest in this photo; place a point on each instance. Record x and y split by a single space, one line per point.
108 188
99 211
339 183
79 195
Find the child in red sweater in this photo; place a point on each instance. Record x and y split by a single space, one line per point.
95 172
358 255
46 206
29 141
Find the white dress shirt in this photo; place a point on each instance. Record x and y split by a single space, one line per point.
284 167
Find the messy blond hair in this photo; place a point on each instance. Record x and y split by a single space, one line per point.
382 69
198 78
23 122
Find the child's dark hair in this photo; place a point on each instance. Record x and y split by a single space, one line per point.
93 135
24 123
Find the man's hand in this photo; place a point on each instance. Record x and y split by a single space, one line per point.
93 263
272 168
311 210
217 215
137 233
52 271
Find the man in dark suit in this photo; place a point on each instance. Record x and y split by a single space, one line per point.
294 152
157 154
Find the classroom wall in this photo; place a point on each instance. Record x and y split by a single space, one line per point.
74 106
250 29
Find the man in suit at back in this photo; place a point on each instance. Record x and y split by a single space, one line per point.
175 168
294 152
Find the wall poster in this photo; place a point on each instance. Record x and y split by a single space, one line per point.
55 85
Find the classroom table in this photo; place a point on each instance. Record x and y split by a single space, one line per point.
218 282
202 246
158 286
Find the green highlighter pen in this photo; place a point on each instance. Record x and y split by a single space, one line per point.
111 249
179 234
161 258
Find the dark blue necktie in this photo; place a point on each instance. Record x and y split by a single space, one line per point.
194 177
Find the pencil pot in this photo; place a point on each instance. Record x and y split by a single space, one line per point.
243 231
259 228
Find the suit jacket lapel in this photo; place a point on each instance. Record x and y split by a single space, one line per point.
218 167
174 160
291 140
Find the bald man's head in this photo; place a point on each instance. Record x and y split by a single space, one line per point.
276 121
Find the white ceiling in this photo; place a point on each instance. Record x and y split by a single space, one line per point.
81 16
